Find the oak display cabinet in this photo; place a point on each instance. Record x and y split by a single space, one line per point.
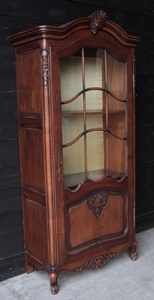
75 98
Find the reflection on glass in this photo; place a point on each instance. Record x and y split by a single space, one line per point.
95 154
71 80
73 163
72 127
116 156
94 121
94 77
117 117
116 80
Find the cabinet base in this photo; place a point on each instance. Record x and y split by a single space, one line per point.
94 264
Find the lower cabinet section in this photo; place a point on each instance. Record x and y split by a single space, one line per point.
98 227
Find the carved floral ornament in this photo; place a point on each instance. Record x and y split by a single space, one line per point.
98 261
101 260
98 19
97 203
45 66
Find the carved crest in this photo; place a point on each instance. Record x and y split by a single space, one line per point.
97 21
97 203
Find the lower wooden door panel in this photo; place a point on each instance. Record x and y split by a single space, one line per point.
99 217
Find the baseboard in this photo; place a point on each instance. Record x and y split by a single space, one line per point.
144 222
12 266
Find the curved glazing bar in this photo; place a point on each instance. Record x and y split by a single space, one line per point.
93 89
82 134
92 130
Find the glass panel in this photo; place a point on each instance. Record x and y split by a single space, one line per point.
116 120
74 106
94 101
72 126
71 81
116 117
94 77
117 155
117 101
116 78
72 119
95 155
94 120
73 163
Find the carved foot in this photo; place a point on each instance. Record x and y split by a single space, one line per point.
29 269
54 289
132 253
53 283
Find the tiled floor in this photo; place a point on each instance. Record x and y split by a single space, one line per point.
120 279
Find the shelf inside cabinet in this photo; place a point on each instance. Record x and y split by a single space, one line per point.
92 112
81 112
73 180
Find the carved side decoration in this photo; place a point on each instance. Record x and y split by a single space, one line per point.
45 66
97 203
97 21
59 162
98 262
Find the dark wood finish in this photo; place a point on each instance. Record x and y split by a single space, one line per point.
55 218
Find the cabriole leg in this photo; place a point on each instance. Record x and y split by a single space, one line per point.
29 269
53 283
132 252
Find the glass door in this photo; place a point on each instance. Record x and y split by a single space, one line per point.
93 104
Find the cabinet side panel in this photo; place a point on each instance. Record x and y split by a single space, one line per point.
31 155
35 233
28 86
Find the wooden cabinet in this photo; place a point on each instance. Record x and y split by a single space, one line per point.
75 97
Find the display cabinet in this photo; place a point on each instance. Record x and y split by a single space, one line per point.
76 117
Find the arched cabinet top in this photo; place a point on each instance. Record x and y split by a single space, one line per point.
78 28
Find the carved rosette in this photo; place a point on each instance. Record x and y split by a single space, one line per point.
97 203
97 21
45 66
98 262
